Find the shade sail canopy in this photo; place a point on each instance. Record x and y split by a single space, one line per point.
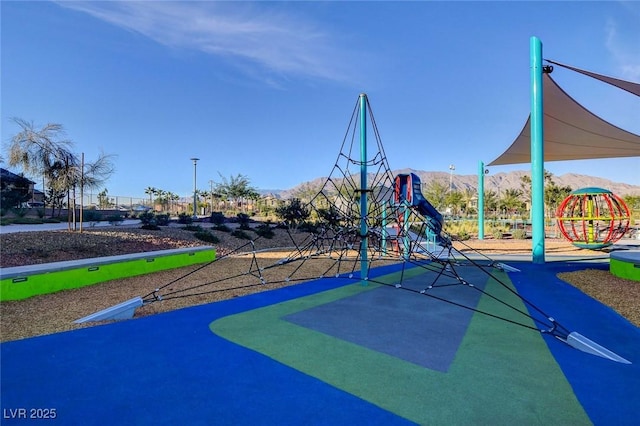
629 86
571 132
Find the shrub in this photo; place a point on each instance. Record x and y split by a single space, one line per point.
147 218
243 220
162 219
194 228
206 236
40 213
185 219
265 231
27 221
293 213
462 236
20 211
519 234
238 233
308 227
217 218
114 219
91 216
223 228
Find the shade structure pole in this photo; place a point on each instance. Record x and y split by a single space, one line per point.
480 200
364 262
537 153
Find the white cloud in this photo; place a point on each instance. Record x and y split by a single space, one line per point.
245 33
627 57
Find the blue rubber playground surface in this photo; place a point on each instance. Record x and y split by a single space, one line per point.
331 352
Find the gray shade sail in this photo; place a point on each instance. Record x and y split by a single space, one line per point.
621 84
571 132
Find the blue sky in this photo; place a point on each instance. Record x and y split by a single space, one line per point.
266 89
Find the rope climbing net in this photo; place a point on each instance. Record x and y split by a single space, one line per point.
395 233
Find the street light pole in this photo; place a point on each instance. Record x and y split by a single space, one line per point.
211 195
195 188
451 169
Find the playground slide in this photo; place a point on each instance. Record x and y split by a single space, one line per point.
408 189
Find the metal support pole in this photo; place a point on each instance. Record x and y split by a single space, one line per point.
537 153
195 188
480 200
383 234
364 263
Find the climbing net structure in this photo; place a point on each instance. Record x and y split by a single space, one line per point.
365 217
352 236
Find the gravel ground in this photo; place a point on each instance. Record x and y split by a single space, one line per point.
56 312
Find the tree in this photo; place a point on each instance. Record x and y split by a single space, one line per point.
455 200
491 201
150 191
43 152
38 151
236 188
103 199
436 193
511 201
553 194
293 213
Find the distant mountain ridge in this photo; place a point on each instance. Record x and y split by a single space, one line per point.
498 182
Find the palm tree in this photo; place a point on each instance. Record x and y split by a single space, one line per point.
150 190
491 201
43 152
39 151
511 200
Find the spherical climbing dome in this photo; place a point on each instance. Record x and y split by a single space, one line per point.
593 218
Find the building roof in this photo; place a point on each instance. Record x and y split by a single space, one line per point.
8 176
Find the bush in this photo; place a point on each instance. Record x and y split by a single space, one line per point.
194 228
20 211
206 236
27 221
265 231
217 218
40 213
162 219
147 218
293 213
185 219
497 233
238 233
519 234
243 220
91 216
308 227
462 236
223 228
115 219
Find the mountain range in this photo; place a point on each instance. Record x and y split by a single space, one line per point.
495 182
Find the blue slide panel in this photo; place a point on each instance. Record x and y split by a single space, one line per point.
410 191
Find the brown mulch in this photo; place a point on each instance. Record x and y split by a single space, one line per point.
620 294
56 312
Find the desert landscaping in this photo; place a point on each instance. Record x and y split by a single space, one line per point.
56 312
